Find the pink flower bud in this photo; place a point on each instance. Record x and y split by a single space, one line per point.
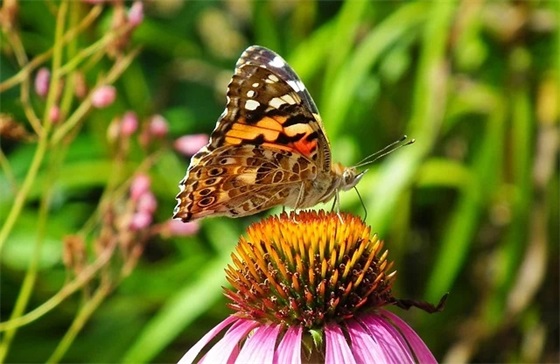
190 144
140 185
140 220
158 126
147 203
103 96
129 123
54 114
179 228
42 80
136 13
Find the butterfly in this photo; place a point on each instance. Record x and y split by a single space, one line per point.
269 148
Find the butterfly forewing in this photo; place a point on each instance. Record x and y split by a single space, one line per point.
268 147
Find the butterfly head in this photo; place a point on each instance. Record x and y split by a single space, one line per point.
348 176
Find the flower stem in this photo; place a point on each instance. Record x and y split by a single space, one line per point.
29 281
83 316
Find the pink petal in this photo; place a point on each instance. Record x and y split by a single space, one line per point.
103 96
179 228
289 350
158 126
140 220
225 349
419 348
140 185
136 13
190 144
364 346
337 349
259 347
147 202
42 81
54 114
390 340
129 123
191 355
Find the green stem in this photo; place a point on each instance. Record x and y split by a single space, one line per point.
31 275
118 68
43 57
70 288
81 318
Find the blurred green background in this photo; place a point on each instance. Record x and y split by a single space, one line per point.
471 208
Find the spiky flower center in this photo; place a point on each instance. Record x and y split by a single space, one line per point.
307 269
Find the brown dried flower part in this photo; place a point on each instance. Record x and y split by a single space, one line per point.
74 253
308 268
8 15
11 129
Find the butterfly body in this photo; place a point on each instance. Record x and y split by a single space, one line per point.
268 148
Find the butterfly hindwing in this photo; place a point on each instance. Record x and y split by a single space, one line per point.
242 181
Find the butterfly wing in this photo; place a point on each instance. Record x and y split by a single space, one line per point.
268 109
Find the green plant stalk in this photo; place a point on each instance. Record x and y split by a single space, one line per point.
81 318
344 31
22 60
457 237
71 50
428 111
69 289
97 47
339 100
26 71
512 248
118 68
29 281
8 172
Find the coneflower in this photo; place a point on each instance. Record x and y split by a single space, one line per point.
311 287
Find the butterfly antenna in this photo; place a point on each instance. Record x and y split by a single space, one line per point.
394 146
362 202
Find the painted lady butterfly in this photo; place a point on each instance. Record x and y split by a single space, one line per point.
269 148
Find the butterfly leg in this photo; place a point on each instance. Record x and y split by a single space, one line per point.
336 203
299 199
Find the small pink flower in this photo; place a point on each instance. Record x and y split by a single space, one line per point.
129 123
42 80
158 126
179 228
54 114
139 186
190 144
147 203
140 220
136 13
103 96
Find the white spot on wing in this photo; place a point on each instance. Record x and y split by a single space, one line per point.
277 62
251 105
279 101
256 84
296 85
276 102
250 93
273 78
